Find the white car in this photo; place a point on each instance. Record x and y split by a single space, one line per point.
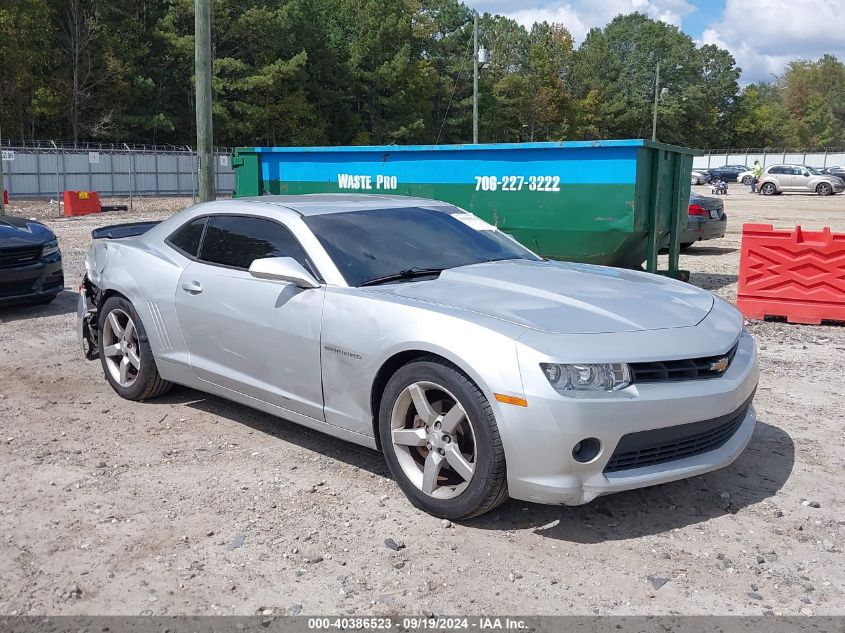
481 370
699 177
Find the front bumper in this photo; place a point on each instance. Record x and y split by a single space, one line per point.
540 438
33 282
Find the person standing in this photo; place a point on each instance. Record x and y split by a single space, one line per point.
758 173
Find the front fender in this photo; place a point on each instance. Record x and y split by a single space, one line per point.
361 333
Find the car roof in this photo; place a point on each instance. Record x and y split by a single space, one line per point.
323 203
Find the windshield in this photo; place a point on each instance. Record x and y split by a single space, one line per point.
813 170
372 244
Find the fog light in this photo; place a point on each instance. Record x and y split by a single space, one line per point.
586 450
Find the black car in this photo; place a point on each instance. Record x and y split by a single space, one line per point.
834 171
728 173
30 262
707 220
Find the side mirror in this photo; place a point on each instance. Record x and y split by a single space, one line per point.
283 269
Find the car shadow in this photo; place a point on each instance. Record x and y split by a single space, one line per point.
761 470
757 475
326 445
712 281
699 250
64 303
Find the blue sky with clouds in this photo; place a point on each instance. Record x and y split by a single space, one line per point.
763 35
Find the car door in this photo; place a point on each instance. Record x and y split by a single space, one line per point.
782 176
800 179
254 336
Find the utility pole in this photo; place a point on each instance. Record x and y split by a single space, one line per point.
656 97
475 78
205 129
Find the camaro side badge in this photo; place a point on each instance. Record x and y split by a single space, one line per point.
720 365
342 352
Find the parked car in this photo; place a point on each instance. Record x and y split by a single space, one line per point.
699 177
481 370
837 171
728 173
780 178
707 220
30 262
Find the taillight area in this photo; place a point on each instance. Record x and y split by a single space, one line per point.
695 209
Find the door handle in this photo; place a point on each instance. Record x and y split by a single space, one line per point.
193 287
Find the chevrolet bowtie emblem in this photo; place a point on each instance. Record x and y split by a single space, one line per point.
720 365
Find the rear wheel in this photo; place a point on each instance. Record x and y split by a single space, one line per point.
824 189
125 352
768 189
441 441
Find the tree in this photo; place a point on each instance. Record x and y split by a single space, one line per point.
305 72
614 72
88 68
814 93
26 52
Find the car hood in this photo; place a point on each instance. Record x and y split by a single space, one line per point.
22 232
562 298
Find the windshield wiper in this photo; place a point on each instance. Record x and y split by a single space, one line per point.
409 273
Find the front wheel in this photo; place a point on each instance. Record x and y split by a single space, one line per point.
768 189
126 354
441 441
824 189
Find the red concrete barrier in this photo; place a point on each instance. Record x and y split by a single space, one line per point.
796 274
81 203
5 197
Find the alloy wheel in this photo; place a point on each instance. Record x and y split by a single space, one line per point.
121 348
433 440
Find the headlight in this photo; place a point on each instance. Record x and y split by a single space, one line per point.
49 248
568 379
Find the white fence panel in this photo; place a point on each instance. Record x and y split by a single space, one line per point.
48 171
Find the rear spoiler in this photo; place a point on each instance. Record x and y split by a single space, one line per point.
117 231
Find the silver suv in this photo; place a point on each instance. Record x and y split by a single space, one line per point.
779 178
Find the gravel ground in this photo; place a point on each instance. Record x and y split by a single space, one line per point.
193 505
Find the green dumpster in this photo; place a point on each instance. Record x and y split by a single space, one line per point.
611 202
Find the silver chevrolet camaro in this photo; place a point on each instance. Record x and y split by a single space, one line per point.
481 370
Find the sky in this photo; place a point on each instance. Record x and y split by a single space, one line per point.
763 35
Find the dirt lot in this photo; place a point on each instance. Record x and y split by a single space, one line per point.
193 505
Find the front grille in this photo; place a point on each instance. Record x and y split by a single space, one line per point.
19 256
685 369
657 446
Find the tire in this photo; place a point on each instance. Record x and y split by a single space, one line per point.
747 181
768 189
136 379
474 439
824 189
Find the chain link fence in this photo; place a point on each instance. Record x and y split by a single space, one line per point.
42 169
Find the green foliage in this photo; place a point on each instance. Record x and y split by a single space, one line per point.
306 72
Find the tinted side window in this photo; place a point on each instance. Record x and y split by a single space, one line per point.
237 241
779 170
187 237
